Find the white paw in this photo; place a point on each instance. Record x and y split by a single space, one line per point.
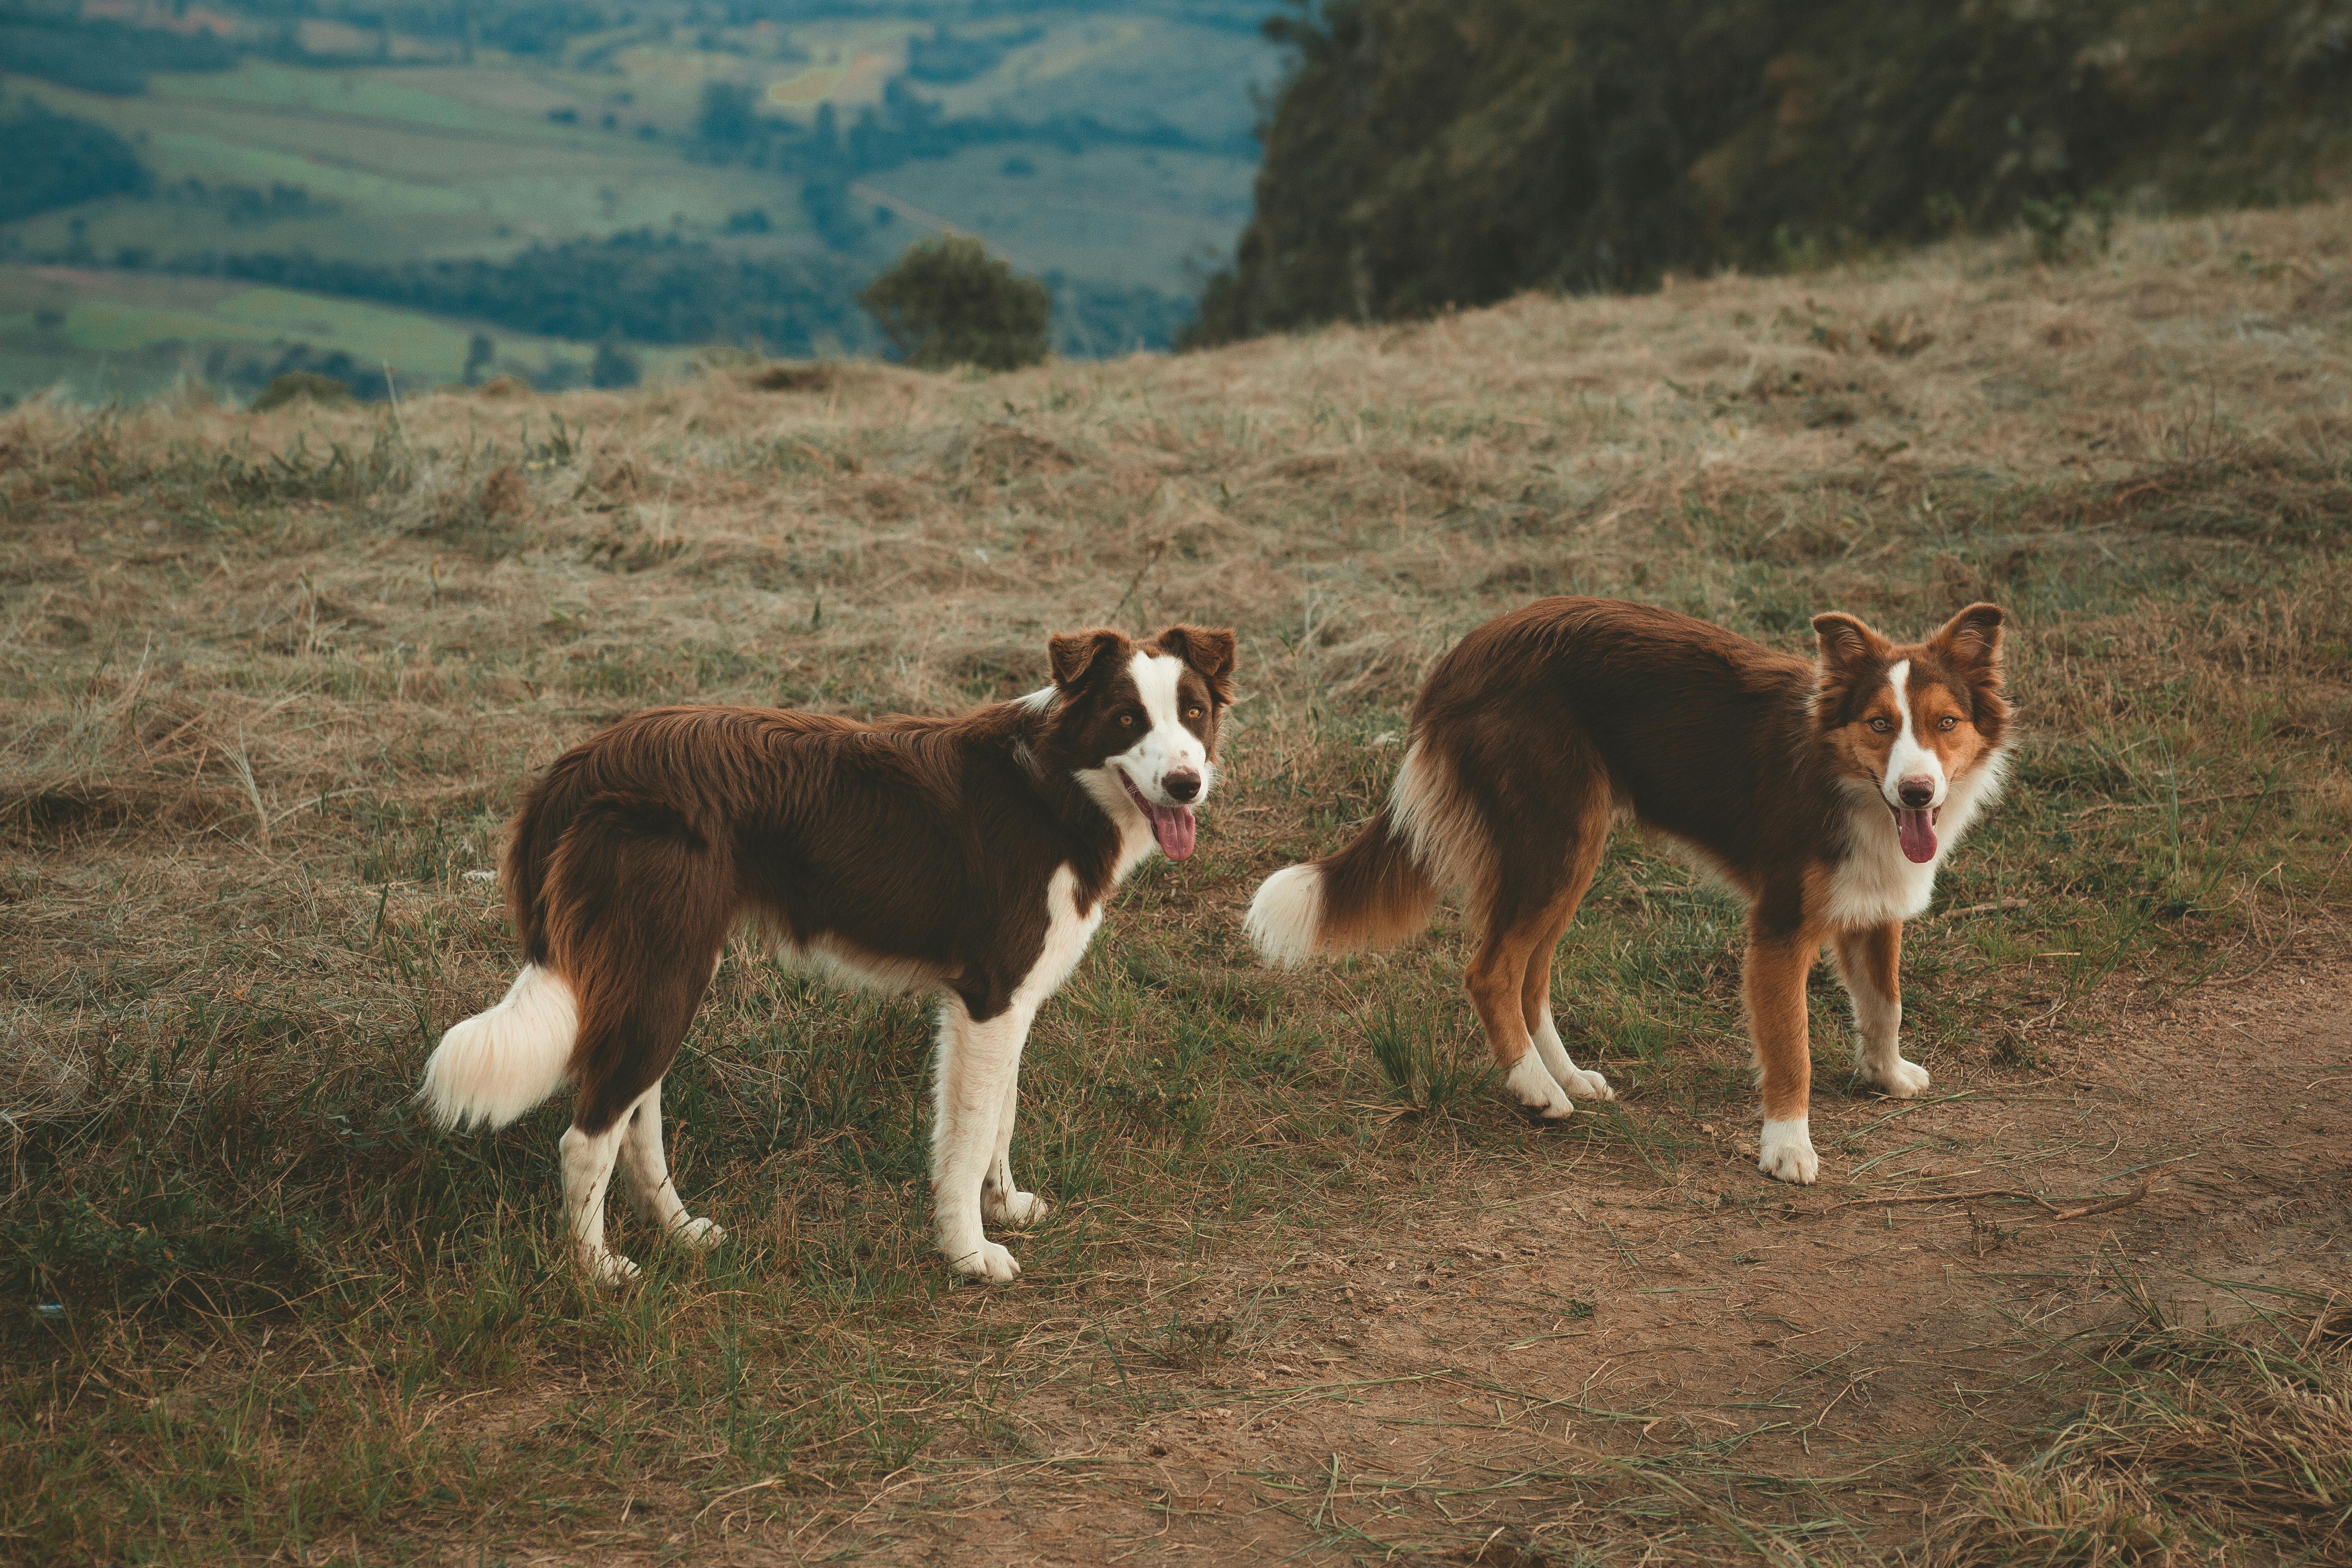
1019 1211
988 1261
1908 1080
1785 1153
1532 1083
608 1268
699 1235
1583 1083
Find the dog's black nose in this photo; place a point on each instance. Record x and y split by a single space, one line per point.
1917 794
1182 786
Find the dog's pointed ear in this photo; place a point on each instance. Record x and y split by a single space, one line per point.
1209 650
1845 642
1971 640
1073 653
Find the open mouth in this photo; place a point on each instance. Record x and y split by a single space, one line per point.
1916 826
1172 825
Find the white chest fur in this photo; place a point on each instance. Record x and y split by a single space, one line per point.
1877 883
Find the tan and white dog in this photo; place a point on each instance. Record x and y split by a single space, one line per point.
1827 791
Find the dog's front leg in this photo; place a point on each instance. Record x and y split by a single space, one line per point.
1776 967
1870 962
1001 1201
979 1066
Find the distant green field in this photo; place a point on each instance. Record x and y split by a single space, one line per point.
401 187
432 99
414 161
107 332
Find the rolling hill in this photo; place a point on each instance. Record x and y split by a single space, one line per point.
1104 147
1315 1291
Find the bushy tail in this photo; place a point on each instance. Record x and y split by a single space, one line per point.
622 906
496 1066
1370 894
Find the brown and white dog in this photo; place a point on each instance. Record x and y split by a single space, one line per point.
1827 793
971 855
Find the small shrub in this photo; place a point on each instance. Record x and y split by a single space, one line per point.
948 301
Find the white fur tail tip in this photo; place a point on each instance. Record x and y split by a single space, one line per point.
497 1065
1286 919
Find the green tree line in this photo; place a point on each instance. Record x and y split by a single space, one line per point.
1427 153
55 160
641 286
100 56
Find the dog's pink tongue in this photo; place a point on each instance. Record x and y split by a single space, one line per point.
1917 831
1174 827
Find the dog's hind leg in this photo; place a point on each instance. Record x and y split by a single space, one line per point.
1495 978
649 1173
587 1171
1535 990
639 907
1543 859
618 1115
1870 962
979 1066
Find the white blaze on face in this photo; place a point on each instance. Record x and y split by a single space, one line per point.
1168 746
1165 747
1915 824
1910 759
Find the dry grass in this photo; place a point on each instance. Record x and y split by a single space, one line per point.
2198 1447
272 683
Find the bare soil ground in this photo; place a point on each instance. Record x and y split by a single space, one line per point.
270 685
1562 1355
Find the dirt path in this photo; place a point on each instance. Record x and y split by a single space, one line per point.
1524 1366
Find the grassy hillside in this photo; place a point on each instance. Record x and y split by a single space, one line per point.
273 684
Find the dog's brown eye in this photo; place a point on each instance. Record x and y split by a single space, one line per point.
1883 726
1192 713
1127 721
1947 722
